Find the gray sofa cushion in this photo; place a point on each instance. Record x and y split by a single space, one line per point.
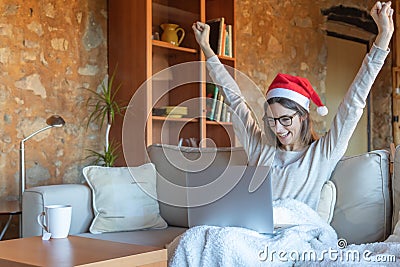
77 195
151 237
363 206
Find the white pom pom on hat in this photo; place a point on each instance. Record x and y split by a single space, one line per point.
323 111
297 89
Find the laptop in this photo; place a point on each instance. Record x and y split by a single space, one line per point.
224 197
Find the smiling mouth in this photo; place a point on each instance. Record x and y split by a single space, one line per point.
283 135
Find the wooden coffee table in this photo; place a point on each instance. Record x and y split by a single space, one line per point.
78 251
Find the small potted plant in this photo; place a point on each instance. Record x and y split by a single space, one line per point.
104 108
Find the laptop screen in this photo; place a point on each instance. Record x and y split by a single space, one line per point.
227 197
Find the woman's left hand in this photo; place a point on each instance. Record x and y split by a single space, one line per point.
202 34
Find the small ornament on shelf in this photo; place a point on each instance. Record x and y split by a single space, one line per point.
170 33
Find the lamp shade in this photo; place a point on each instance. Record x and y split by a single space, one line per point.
55 121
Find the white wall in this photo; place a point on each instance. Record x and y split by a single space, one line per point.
344 60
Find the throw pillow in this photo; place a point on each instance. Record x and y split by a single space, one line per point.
122 198
327 201
363 203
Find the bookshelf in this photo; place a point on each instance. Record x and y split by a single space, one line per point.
134 49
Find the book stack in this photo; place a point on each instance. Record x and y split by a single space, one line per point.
175 111
217 109
171 111
220 37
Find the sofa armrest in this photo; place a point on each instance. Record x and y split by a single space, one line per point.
77 195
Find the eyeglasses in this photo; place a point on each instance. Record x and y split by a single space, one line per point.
283 120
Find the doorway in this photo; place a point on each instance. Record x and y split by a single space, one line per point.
343 62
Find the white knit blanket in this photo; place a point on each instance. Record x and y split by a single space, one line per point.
232 246
311 242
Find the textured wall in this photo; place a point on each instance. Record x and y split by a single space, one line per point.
288 36
381 102
50 52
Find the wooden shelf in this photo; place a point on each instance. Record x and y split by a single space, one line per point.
165 118
218 123
173 47
227 58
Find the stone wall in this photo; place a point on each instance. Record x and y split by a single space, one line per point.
51 52
289 36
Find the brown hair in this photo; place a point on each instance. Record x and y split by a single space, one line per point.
307 133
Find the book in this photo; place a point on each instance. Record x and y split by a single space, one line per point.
214 102
223 112
228 116
221 52
226 50
218 109
158 111
176 110
229 48
216 33
210 88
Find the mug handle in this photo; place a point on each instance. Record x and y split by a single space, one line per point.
183 35
41 221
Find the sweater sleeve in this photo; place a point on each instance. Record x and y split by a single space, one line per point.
245 126
335 142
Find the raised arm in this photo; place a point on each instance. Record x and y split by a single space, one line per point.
246 128
350 110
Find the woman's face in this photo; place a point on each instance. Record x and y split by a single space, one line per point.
288 133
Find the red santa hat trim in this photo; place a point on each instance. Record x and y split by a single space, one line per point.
297 89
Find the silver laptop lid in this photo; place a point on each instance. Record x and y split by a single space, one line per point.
224 197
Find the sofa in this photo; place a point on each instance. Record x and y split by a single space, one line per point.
357 201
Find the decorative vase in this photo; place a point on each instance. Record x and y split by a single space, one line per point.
170 33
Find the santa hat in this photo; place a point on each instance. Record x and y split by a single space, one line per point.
297 89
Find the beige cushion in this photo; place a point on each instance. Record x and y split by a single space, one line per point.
119 203
363 206
327 201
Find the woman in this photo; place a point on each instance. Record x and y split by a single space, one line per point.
301 163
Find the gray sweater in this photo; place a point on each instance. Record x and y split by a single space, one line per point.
300 174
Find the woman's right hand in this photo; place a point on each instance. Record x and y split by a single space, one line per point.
382 14
202 35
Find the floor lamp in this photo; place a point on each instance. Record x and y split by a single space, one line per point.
53 121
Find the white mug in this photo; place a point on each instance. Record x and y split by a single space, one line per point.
56 220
